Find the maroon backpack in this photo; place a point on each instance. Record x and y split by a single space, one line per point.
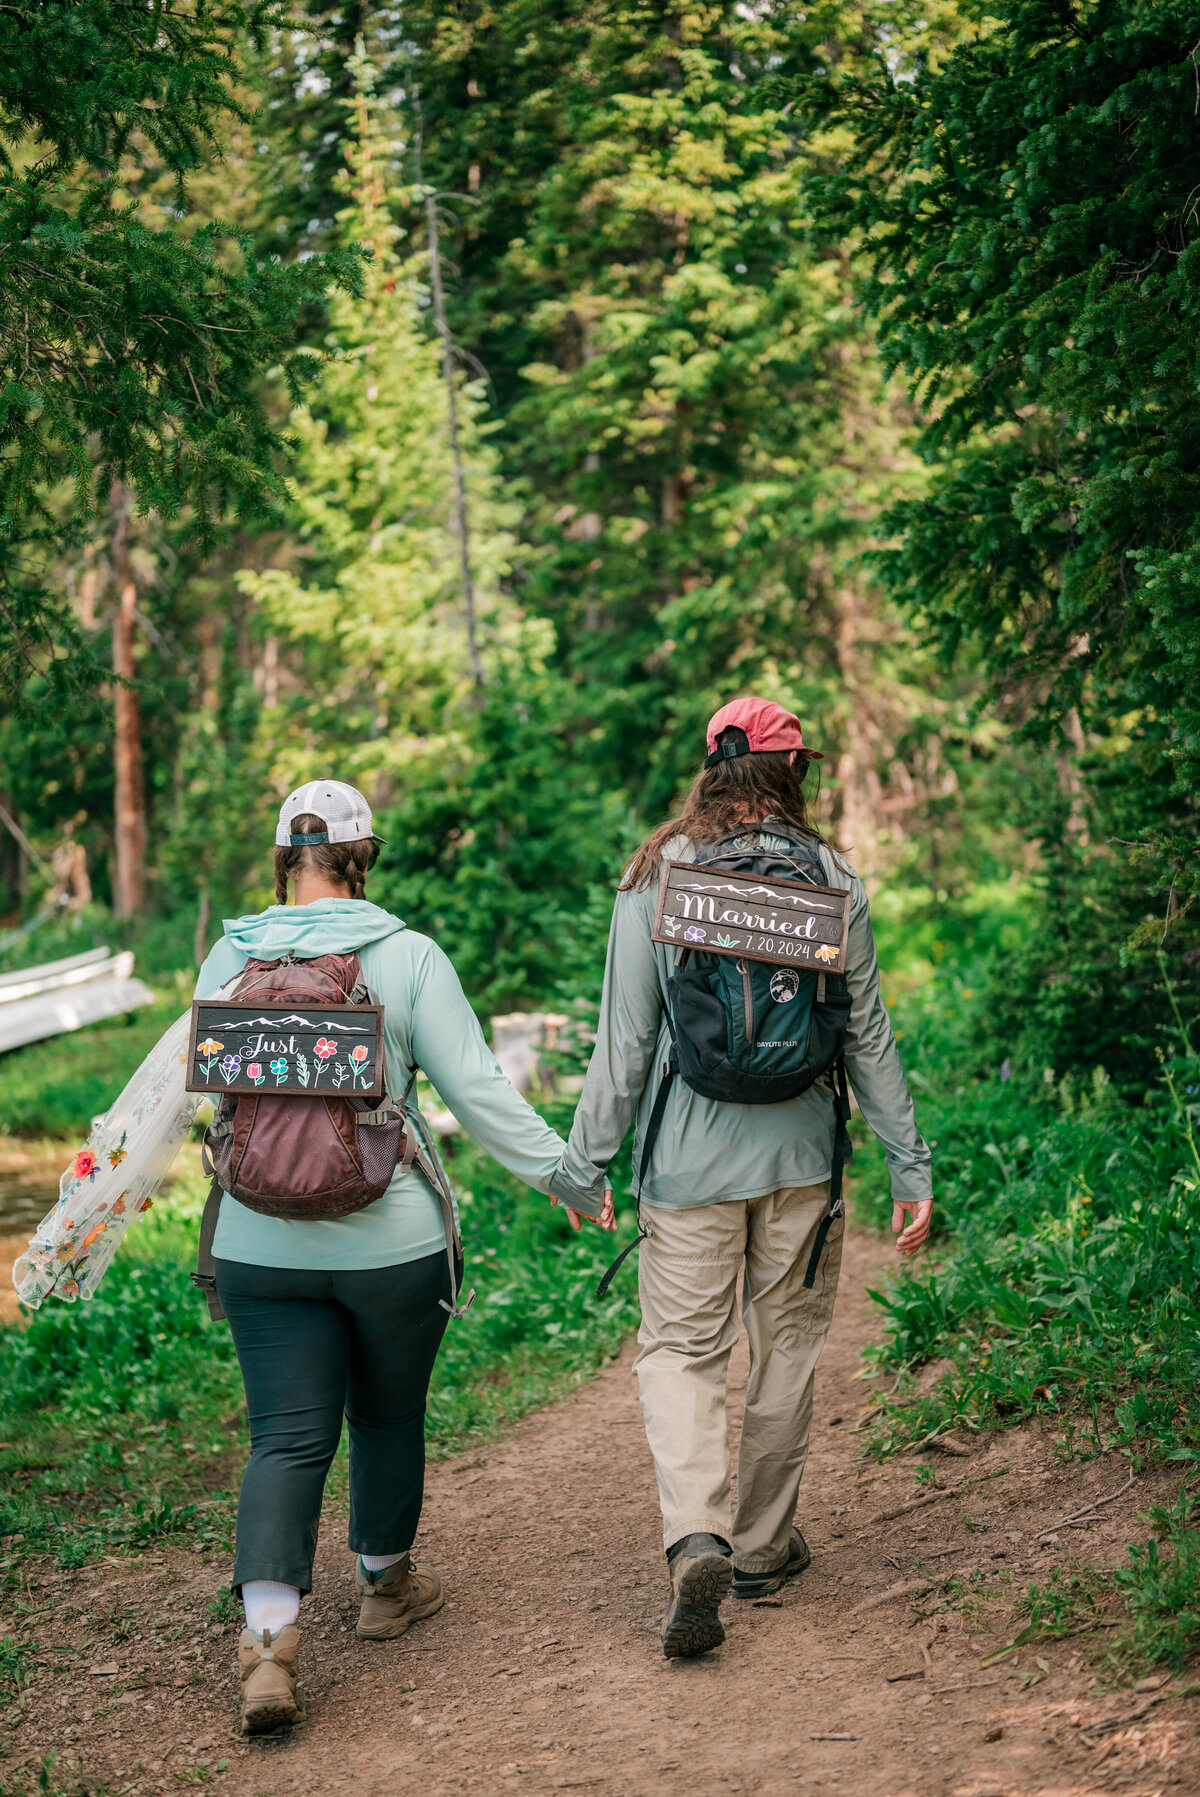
311 1159
307 1159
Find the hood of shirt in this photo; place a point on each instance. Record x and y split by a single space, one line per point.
329 926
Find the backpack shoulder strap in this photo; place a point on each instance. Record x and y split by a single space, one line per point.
842 1152
205 1276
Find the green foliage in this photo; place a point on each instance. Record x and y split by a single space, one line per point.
17 1659
1072 1220
686 398
1024 203
1162 1589
129 353
43 1779
1065 1605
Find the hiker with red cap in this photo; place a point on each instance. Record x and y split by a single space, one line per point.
732 1051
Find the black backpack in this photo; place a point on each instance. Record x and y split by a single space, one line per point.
751 1032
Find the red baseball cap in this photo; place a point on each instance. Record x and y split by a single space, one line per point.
767 728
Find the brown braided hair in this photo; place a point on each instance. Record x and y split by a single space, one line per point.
344 862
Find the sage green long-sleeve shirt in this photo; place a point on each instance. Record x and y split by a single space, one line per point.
427 1022
709 1151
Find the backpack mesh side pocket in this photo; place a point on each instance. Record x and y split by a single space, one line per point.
380 1145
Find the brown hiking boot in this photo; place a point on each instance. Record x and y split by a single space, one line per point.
700 1568
269 1669
763 1584
392 1600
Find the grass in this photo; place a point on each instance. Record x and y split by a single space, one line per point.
55 1088
1062 1282
122 1422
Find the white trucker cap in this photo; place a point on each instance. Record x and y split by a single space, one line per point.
341 808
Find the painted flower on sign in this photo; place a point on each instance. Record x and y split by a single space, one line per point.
254 1071
827 952
359 1052
231 1066
324 1049
279 1069
209 1048
84 1165
693 935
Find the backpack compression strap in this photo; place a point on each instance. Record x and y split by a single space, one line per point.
841 1154
654 1124
205 1276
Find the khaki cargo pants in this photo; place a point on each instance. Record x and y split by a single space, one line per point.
687 1278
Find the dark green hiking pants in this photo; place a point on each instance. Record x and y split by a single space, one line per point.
315 1347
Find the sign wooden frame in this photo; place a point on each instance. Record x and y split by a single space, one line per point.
293 1050
787 922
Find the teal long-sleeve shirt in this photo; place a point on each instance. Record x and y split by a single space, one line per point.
428 1024
709 1151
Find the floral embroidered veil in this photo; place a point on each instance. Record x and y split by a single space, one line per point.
113 1178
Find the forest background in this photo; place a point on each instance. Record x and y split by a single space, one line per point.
465 400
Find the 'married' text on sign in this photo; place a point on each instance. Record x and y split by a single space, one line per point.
786 921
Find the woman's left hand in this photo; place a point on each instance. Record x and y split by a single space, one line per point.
910 1223
606 1219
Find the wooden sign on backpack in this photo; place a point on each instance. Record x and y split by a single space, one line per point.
242 1047
788 922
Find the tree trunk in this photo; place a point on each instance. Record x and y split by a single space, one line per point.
130 820
456 451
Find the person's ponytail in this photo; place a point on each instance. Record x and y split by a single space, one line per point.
345 863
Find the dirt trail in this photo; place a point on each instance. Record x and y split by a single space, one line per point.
543 1672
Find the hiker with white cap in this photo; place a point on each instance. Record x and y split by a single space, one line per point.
734 1069
331 1240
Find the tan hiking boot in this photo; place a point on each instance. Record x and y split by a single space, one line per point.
392 1600
269 1670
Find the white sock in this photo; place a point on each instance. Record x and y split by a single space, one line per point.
270 1606
380 1562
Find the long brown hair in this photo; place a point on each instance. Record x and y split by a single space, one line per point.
345 862
727 797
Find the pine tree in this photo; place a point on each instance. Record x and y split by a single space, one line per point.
127 352
686 395
490 842
1027 206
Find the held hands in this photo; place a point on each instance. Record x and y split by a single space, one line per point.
914 1235
606 1219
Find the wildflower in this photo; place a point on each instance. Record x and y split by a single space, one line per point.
69 1288
84 1165
116 1156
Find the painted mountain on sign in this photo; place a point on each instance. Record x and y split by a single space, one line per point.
297 1022
777 898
